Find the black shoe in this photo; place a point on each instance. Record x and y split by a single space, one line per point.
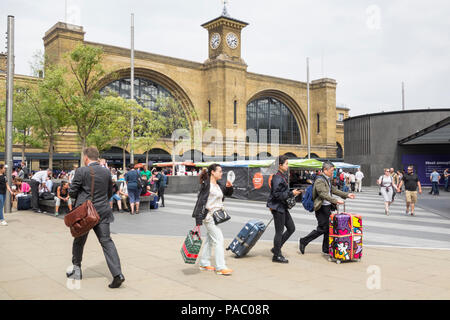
117 281
301 246
137 212
280 259
273 251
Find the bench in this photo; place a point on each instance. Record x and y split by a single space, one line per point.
49 206
143 200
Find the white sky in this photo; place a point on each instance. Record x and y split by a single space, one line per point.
369 47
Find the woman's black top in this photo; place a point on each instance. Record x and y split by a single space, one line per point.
199 210
279 193
2 184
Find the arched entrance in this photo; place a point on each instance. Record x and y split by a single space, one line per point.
339 151
274 109
149 84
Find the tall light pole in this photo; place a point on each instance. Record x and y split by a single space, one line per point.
403 96
132 90
9 107
307 97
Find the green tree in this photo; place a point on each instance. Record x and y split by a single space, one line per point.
148 130
24 120
51 119
76 87
170 117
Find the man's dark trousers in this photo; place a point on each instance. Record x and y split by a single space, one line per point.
435 187
161 195
34 194
109 249
323 217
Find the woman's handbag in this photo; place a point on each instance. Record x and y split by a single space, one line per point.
291 202
83 218
191 246
220 216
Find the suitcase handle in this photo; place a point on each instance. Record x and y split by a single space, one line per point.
337 208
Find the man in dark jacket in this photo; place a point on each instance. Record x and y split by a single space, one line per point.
81 191
323 201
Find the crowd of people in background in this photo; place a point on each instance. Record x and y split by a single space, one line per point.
128 187
141 181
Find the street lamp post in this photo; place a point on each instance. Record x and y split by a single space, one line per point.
132 90
309 118
9 108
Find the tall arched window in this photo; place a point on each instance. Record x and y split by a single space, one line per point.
269 113
145 91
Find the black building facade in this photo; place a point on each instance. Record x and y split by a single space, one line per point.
377 141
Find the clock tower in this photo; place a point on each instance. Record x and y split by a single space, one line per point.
225 72
224 37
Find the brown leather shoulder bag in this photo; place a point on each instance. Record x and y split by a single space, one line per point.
83 218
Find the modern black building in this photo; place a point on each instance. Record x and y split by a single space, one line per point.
397 139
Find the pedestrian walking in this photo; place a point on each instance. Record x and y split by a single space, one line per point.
399 179
3 187
446 179
210 199
359 176
162 184
324 204
279 193
352 179
132 179
38 180
81 191
435 178
412 183
386 183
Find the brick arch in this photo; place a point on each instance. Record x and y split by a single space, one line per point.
290 103
178 93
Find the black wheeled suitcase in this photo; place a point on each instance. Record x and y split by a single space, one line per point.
24 202
247 237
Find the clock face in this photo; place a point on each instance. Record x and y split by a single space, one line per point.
215 41
232 40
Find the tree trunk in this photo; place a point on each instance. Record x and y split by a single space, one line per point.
83 146
124 159
50 153
146 158
23 153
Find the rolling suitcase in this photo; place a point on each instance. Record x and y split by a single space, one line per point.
247 237
345 239
24 202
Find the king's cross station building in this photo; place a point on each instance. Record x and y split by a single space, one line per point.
220 91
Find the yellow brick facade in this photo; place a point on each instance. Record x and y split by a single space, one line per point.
219 81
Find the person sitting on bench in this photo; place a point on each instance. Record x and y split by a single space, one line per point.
62 194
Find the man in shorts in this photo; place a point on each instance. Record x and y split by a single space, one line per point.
411 181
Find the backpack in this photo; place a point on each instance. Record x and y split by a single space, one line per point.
307 200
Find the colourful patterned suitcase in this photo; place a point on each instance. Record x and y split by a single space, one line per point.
345 240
